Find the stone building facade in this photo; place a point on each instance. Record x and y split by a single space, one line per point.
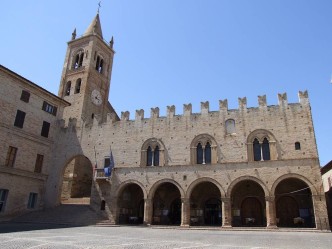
28 127
251 166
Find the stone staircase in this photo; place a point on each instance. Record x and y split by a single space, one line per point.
66 214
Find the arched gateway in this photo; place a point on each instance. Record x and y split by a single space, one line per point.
77 180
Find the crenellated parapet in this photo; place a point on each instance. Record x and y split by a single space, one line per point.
282 106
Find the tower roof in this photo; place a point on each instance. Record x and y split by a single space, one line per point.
94 27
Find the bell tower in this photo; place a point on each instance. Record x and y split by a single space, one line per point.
86 75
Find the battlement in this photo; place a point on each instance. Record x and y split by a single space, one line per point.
223 107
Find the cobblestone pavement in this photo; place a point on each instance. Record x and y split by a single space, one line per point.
37 236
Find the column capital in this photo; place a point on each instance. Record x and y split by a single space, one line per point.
226 199
270 198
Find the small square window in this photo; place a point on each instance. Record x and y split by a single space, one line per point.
45 129
32 200
25 96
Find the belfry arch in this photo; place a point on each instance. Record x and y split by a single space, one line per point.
77 180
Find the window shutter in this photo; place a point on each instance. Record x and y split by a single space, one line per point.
44 105
55 109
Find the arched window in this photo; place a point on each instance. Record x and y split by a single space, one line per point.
297 146
149 156
266 149
68 87
261 146
199 152
153 153
208 153
78 59
204 150
78 86
257 150
230 126
99 64
156 156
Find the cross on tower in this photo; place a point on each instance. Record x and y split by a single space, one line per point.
99 5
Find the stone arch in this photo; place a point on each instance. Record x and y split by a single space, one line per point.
160 182
76 178
77 58
203 140
201 180
244 178
296 176
124 184
260 135
153 143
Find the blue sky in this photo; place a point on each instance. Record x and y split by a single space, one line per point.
179 52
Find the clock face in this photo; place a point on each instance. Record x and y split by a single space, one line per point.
96 97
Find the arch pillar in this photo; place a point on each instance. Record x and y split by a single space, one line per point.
185 212
271 221
226 212
321 217
148 208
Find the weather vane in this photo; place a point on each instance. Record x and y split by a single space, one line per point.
99 5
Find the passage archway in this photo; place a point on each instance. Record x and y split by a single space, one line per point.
294 207
167 205
205 205
131 205
77 181
248 204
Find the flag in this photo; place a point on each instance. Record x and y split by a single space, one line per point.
108 169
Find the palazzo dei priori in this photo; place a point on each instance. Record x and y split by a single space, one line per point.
245 167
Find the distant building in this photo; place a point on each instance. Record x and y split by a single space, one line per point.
245 167
327 185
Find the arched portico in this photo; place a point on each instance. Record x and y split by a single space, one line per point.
130 203
77 179
205 203
248 202
166 203
294 203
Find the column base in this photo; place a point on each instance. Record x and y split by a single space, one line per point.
226 226
184 225
271 227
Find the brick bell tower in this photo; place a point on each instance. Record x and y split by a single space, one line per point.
86 75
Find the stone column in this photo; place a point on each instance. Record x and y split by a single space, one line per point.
321 217
185 212
148 212
271 221
226 212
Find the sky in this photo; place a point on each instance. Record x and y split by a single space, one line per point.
172 52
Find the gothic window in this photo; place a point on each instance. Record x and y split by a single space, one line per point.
230 126
199 152
99 64
149 156
67 90
257 150
261 146
152 153
78 86
78 60
204 150
297 146
208 153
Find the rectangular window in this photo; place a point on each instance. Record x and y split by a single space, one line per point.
11 156
25 96
39 163
32 200
3 199
49 108
19 119
45 129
